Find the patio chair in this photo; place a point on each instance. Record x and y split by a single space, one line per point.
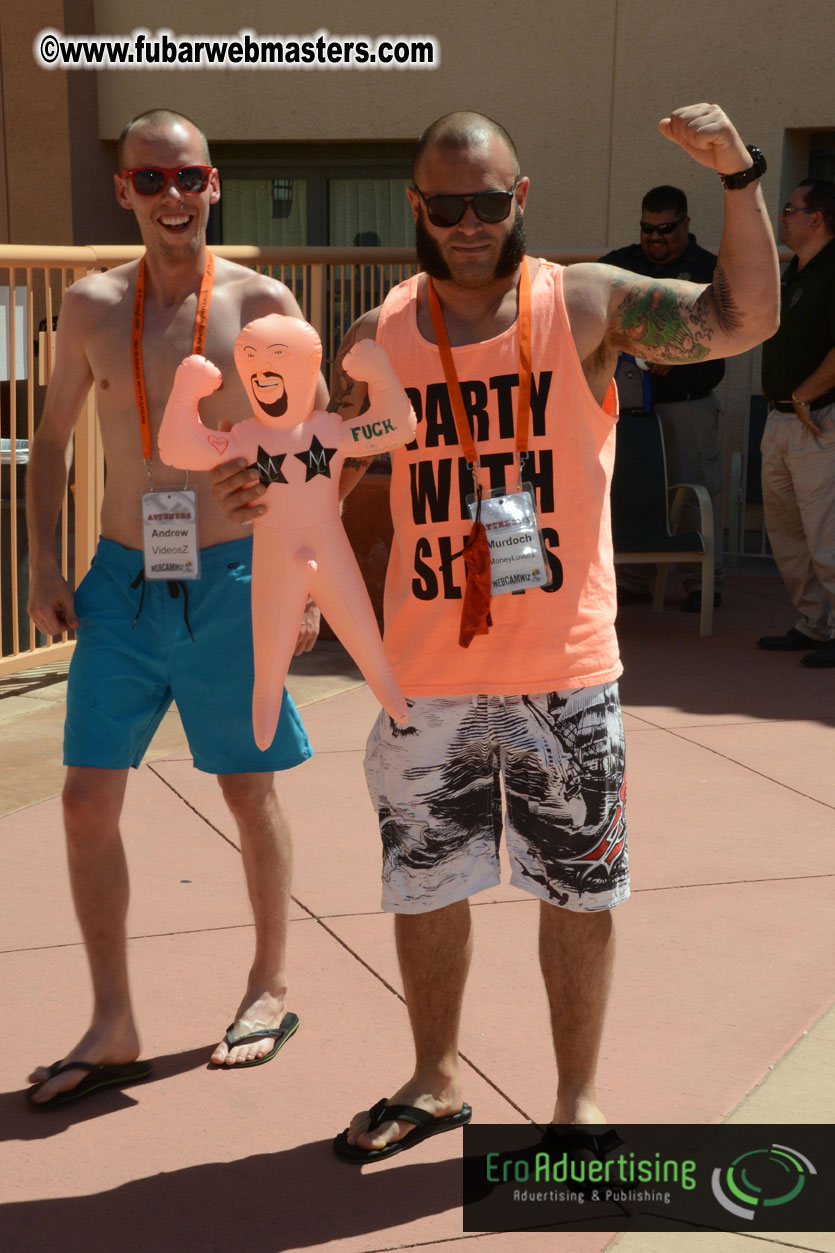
645 511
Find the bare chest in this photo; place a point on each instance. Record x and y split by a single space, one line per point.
167 338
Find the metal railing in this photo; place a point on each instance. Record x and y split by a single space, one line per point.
32 284
333 287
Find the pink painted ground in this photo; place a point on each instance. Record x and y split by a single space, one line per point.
724 960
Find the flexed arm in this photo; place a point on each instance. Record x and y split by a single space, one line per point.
671 322
183 439
389 421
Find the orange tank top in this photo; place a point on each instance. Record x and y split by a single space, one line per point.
542 639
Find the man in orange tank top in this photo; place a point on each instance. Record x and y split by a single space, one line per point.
534 699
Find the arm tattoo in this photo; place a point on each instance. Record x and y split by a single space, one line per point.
349 397
670 326
357 463
724 305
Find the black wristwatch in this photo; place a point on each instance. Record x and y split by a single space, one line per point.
733 182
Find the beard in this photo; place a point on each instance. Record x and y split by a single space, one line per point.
431 261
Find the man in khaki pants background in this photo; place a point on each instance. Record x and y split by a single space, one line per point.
798 444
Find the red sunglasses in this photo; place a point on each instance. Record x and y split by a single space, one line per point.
150 180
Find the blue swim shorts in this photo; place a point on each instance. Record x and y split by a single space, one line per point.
141 645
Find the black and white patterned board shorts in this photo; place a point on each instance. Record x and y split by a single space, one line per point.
436 786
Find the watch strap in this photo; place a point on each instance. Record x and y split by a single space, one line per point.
733 182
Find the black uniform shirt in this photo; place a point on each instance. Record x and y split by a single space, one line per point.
807 324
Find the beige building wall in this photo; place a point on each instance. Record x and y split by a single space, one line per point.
580 86
493 59
35 165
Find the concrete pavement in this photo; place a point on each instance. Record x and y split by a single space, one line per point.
720 1006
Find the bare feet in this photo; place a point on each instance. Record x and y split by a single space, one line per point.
104 1044
448 1101
257 1011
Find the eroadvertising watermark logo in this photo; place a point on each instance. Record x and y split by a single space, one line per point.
646 1177
761 1178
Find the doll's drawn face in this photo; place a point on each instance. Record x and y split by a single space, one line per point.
278 359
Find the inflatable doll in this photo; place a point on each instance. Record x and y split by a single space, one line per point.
300 545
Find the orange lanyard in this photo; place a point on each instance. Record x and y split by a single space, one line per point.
523 411
200 322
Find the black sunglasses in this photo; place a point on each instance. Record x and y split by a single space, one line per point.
666 228
149 180
488 206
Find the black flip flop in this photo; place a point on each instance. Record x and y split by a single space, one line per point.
598 1144
583 1146
281 1034
425 1125
97 1077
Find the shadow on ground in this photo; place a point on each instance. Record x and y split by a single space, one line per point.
298 1198
667 665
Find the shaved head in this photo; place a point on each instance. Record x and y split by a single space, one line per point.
155 119
457 132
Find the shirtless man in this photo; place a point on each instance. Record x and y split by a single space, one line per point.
538 689
138 639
